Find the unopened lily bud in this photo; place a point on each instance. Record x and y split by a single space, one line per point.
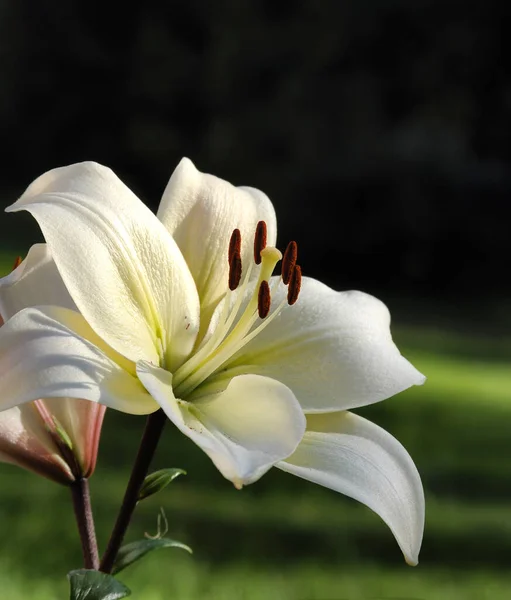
27 441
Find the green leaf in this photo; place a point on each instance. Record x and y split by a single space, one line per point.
88 584
132 552
157 481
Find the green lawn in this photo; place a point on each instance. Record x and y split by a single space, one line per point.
283 538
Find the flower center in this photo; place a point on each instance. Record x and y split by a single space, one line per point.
242 316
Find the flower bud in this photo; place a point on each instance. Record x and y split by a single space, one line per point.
27 440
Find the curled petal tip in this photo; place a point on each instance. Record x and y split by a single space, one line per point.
411 562
420 379
187 162
186 171
348 454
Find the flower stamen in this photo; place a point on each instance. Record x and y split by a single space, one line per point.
230 336
295 283
234 245
263 300
17 263
261 235
235 260
233 330
234 272
289 261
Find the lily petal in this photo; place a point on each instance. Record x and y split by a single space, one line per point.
333 349
64 358
121 267
245 429
351 455
201 211
35 282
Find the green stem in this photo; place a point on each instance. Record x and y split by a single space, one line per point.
85 521
150 438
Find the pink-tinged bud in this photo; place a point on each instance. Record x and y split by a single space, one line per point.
55 437
25 442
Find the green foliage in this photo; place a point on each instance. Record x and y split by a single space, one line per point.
134 551
87 584
157 481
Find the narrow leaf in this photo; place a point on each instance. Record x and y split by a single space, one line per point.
88 584
132 552
157 481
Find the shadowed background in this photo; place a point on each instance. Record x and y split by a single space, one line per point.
380 130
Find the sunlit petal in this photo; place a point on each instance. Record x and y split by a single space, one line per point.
245 429
333 349
35 282
351 455
201 211
121 267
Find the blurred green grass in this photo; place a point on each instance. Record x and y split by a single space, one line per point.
284 538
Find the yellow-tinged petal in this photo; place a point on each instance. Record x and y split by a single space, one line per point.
35 282
245 429
333 349
120 265
201 211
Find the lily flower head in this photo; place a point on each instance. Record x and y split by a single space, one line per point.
184 311
54 437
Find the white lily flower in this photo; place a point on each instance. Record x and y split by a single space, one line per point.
182 311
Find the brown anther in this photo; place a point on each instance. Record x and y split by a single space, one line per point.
17 262
289 261
234 245
260 237
234 272
263 299
295 282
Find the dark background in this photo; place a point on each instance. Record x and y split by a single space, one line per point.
380 129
